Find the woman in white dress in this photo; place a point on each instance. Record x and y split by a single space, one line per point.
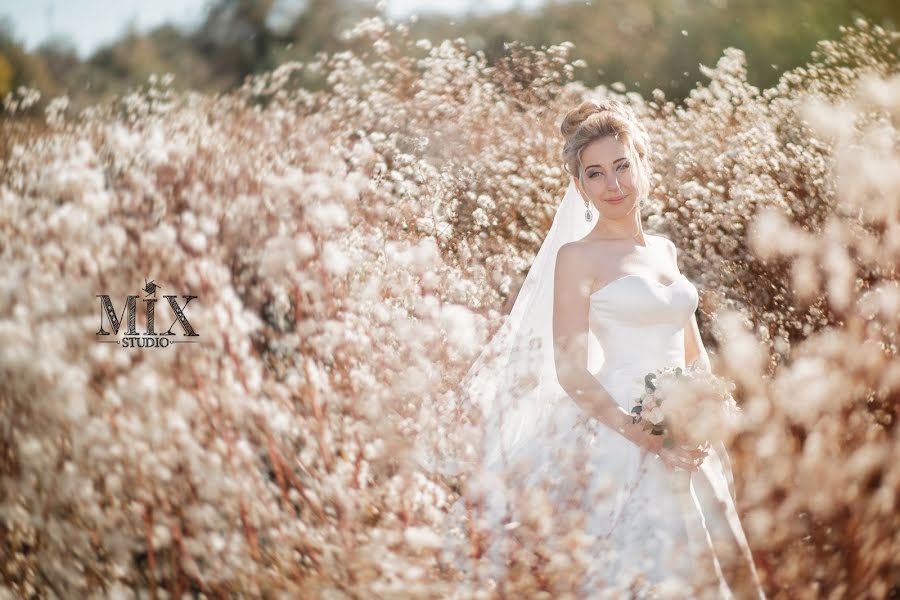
603 304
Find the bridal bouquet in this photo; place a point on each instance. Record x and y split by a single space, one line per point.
688 406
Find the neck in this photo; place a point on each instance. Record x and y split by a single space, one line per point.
628 227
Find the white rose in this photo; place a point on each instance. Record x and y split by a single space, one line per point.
655 415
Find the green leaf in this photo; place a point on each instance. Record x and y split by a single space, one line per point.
637 409
648 381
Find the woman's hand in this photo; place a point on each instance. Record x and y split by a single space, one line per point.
682 457
679 456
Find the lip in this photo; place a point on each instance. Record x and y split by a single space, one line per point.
618 200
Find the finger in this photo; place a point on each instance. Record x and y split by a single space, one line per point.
681 461
683 467
697 459
689 466
683 458
695 450
694 461
689 456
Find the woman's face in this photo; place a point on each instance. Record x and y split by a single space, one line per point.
608 181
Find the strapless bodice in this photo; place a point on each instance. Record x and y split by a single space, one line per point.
638 326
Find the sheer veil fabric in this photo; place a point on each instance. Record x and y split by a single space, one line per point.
512 387
514 378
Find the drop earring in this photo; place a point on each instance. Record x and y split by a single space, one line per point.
587 211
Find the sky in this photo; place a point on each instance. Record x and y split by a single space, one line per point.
92 23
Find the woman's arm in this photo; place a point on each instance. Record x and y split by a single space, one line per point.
693 347
571 305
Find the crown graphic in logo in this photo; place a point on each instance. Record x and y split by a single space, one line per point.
150 287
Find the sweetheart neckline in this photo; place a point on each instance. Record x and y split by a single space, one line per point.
650 279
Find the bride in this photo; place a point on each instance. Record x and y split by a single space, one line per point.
603 304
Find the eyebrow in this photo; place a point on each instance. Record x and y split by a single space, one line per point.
614 162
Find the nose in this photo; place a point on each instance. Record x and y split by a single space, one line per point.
612 182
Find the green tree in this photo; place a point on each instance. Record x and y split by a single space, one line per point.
6 76
22 68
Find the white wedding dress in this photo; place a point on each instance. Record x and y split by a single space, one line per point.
674 527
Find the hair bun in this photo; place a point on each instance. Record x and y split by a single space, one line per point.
577 116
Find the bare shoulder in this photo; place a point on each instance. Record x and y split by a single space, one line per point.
571 253
574 250
572 265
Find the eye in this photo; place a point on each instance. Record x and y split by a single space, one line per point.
622 166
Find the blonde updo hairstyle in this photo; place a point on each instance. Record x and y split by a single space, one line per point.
593 120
